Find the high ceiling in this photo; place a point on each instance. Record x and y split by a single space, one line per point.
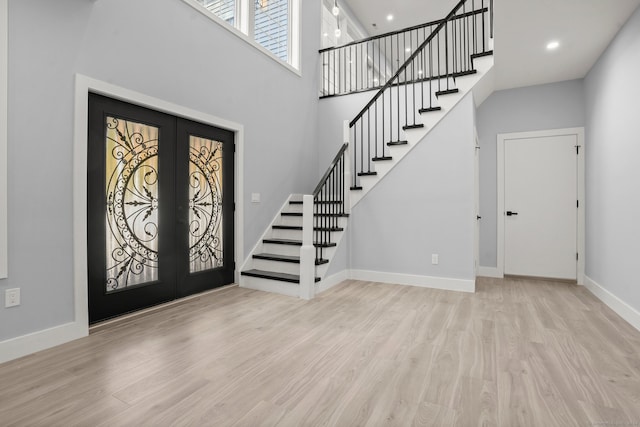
523 28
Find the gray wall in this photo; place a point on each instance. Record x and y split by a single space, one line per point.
612 92
550 106
162 48
332 112
423 206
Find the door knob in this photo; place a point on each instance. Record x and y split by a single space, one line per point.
509 213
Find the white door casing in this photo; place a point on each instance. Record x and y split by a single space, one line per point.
541 177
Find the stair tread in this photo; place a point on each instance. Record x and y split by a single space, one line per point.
315 214
415 126
317 202
287 227
464 73
481 54
382 158
274 275
392 143
367 173
447 92
296 243
276 257
299 228
355 188
284 242
286 258
427 110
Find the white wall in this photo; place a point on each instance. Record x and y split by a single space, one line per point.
612 92
549 106
161 48
423 206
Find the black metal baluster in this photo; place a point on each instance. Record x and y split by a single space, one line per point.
484 47
382 139
439 79
355 159
413 78
376 125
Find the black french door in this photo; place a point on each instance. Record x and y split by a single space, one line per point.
160 211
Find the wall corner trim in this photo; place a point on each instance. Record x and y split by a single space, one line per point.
4 69
624 310
445 283
331 281
490 272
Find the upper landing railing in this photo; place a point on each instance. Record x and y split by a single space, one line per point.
369 63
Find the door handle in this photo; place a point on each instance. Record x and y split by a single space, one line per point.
509 213
478 217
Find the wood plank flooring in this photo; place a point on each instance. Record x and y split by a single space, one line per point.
516 353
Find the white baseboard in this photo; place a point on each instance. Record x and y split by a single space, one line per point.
274 286
490 272
31 343
460 285
331 281
623 309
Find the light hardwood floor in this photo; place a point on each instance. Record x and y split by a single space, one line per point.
516 353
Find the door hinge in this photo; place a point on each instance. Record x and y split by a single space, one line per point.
577 149
577 203
576 256
234 206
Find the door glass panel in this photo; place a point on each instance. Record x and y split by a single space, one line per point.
205 204
132 204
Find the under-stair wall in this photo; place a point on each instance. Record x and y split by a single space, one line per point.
424 206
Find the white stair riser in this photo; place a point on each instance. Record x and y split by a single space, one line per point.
272 248
275 286
483 64
290 220
293 208
430 118
286 234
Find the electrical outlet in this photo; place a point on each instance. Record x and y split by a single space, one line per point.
435 259
255 197
12 297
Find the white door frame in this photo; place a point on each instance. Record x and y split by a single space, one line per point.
580 244
84 85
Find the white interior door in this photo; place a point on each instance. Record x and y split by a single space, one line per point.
540 201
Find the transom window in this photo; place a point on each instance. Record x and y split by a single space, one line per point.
271 25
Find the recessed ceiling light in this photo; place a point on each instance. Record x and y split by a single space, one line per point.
553 45
389 17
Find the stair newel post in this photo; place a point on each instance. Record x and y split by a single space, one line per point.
307 252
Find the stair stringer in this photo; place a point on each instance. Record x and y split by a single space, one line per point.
464 84
289 289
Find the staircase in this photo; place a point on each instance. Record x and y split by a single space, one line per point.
294 254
